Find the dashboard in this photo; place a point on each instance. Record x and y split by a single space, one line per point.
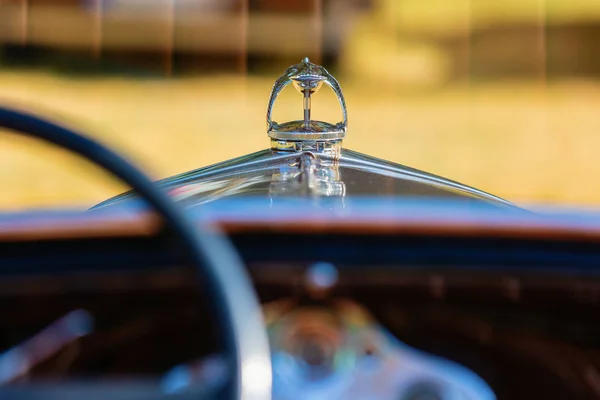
336 349
408 315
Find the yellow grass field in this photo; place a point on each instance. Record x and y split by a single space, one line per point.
524 142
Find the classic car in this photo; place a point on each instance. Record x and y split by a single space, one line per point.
303 271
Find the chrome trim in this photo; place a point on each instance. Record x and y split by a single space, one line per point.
258 173
306 158
339 351
18 361
307 78
377 165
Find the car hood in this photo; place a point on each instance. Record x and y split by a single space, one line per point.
306 160
271 174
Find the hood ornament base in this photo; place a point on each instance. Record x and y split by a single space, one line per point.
306 134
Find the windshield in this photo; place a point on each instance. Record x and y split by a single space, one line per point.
501 96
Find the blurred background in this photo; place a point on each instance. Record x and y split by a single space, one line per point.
503 95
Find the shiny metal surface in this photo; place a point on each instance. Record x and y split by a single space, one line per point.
317 175
340 352
320 279
306 159
17 361
307 78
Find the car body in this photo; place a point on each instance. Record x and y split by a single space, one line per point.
312 163
376 281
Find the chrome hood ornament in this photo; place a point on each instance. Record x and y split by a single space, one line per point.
306 160
307 134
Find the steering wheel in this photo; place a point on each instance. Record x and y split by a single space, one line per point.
233 297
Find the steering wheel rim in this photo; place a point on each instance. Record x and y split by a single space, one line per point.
237 305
